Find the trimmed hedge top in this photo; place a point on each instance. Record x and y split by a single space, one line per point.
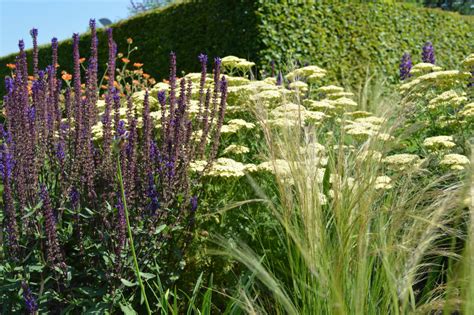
344 38
347 38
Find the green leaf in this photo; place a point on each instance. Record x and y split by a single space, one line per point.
128 283
127 309
146 276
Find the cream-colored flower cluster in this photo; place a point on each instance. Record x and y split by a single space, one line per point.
447 98
232 63
439 142
469 61
401 161
234 125
437 78
223 167
236 149
311 74
455 161
368 127
423 68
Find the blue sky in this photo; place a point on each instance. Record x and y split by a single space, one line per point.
52 18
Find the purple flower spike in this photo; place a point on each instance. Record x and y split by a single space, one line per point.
194 203
202 58
34 35
405 66
428 54
30 301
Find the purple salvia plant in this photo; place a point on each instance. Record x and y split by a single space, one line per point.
427 54
405 66
34 36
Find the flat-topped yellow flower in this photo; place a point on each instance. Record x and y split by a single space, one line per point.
439 142
402 161
383 182
455 161
424 67
330 89
236 149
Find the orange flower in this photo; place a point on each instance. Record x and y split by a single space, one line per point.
138 71
165 81
106 77
129 40
125 60
57 65
103 87
11 66
138 65
31 78
66 76
146 75
81 60
135 82
116 84
152 81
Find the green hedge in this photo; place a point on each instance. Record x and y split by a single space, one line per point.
345 38
215 27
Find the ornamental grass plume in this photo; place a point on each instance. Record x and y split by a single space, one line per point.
405 66
353 240
427 54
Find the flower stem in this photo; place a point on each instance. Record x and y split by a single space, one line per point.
130 237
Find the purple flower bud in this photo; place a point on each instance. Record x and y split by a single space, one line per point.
32 114
74 198
405 66
279 80
60 154
9 85
21 44
194 203
428 54
162 97
34 32
217 61
121 130
30 301
202 58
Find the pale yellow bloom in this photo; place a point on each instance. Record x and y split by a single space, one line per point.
455 161
236 149
439 142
